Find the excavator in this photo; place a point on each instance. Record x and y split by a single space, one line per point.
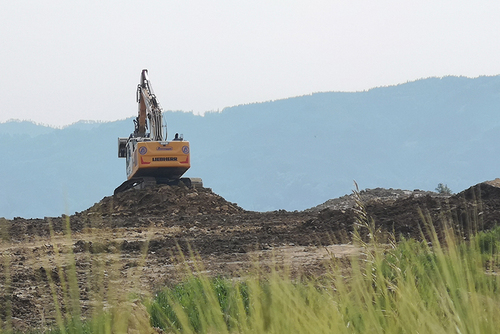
150 158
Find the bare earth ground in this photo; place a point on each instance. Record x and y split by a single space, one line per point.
131 242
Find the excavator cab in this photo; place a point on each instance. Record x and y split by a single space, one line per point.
122 147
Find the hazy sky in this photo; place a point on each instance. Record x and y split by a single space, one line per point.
64 61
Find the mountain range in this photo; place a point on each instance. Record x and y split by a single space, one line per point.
287 154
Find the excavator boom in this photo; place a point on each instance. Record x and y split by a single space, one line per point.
149 109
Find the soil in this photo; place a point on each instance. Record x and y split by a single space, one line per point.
134 241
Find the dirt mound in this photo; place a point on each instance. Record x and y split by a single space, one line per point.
494 183
164 200
474 209
133 208
370 195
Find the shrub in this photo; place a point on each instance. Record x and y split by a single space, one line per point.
443 189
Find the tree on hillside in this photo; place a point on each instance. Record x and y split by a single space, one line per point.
443 189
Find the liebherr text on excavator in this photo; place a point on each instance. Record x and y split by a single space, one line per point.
150 158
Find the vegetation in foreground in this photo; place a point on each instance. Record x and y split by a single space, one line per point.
447 286
414 287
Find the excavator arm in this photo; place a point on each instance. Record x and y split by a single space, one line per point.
149 111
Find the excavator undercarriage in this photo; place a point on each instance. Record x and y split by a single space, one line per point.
145 182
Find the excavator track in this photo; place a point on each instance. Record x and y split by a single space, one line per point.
145 182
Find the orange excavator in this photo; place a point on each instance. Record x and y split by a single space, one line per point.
150 158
